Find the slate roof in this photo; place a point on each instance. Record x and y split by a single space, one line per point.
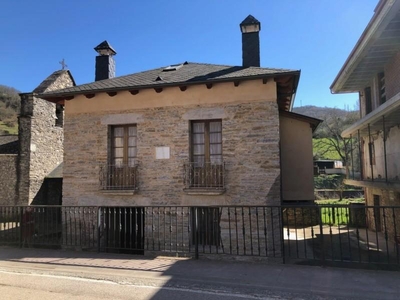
9 144
250 20
50 80
179 74
57 172
104 46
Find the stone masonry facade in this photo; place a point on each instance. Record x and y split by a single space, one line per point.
250 138
8 178
250 146
388 219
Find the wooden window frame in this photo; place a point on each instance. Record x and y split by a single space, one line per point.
371 148
382 88
207 142
125 147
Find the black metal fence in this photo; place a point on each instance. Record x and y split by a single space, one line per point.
321 234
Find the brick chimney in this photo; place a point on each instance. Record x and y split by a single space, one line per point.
105 63
250 28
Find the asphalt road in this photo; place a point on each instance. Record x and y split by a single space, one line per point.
24 285
48 274
40 282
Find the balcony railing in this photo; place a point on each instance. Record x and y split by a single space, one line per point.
119 177
205 176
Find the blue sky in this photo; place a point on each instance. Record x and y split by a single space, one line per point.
315 36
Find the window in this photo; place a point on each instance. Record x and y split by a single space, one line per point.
206 168
382 88
368 100
59 116
206 142
123 145
121 170
371 153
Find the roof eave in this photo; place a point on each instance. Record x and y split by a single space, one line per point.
296 84
52 95
361 46
314 122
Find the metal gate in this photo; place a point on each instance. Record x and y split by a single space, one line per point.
123 229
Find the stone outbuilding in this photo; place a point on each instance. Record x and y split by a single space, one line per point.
26 160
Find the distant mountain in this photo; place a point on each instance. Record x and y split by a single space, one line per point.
320 112
9 109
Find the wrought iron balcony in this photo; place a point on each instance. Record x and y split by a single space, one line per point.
119 177
204 176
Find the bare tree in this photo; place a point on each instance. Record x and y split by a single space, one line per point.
328 136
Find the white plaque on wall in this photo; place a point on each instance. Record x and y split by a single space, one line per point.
162 152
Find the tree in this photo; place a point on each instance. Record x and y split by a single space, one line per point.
9 108
328 137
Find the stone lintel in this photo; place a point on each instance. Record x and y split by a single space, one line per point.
205 114
116 119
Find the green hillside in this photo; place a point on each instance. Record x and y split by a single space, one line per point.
9 109
327 140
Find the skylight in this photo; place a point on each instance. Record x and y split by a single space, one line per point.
173 67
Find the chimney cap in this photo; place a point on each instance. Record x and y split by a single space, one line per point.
105 48
250 24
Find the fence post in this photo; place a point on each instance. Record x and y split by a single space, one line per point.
322 235
98 228
21 209
196 236
282 237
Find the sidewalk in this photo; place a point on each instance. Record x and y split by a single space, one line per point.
290 279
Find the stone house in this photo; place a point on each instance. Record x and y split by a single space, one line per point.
187 134
372 70
27 160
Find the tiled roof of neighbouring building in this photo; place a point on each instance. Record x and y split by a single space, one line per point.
185 73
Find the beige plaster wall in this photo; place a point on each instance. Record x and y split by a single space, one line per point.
252 90
392 76
296 159
392 155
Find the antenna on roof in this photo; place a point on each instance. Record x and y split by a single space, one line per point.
63 64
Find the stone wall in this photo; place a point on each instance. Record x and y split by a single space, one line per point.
46 148
41 140
307 215
250 136
388 219
8 178
392 155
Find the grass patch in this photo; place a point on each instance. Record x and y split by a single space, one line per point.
322 149
8 130
336 212
340 202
